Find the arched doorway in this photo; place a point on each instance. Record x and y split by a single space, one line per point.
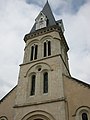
38 115
38 119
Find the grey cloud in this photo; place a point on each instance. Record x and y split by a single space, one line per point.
39 2
61 6
77 33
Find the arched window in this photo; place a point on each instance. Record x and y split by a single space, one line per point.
32 92
34 51
83 113
84 116
3 118
47 48
45 82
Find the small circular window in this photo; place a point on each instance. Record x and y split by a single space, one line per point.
39 69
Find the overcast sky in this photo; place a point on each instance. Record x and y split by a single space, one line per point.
17 18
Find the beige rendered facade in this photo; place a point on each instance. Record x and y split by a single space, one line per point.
45 89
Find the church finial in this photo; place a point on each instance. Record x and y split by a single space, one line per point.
47 1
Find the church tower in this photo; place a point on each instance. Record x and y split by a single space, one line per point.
40 90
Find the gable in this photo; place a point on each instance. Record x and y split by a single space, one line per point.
41 21
7 95
7 103
77 94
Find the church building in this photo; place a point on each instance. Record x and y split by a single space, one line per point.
45 89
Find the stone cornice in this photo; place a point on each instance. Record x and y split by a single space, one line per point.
42 31
46 30
37 60
39 103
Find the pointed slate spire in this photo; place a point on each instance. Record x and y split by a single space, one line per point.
48 13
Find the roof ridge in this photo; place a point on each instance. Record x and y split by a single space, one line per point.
79 81
1 100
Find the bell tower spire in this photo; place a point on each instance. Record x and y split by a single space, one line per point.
44 19
40 84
